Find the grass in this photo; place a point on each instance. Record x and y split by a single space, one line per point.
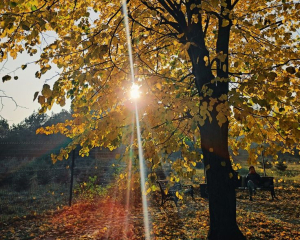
34 201
108 218
41 198
260 219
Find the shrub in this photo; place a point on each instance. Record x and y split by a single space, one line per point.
90 190
22 180
43 177
268 165
281 166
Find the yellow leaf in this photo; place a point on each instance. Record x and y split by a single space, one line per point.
211 150
187 45
223 163
230 175
158 85
224 68
178 195
221 118
180 35
118 156
225 23
222 57
62 102
24 66
214 3
46 91
41 100
192 6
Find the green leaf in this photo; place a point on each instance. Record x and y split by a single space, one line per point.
25 27
33 8
6 78
13 4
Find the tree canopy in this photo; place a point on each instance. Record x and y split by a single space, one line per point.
216 73
91 51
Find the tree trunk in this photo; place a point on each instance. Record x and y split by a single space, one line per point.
214 138
220 181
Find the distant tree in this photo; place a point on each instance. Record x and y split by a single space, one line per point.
35 121
25 130
4 128
60 117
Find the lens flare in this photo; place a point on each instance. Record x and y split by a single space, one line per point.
135 92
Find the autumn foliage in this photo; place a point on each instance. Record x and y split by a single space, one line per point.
212 74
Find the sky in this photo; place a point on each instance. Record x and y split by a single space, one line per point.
19 102
23 89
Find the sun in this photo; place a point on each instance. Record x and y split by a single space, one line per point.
134 91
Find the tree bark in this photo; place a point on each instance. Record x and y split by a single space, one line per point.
220 181
214 138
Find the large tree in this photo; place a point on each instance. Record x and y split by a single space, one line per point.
214 72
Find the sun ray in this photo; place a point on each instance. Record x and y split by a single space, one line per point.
129 167
141 160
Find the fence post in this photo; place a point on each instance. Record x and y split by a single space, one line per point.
264 163
72 173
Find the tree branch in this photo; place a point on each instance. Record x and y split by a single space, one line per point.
278 22
233 5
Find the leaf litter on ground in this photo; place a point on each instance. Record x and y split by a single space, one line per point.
108 219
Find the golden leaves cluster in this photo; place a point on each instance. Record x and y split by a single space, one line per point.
91 52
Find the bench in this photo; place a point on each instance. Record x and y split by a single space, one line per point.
171 193
266 184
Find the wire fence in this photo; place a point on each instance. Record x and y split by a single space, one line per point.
32 187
